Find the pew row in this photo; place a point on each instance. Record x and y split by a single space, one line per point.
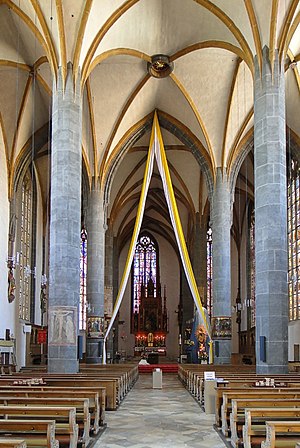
66 429
111 385
80 405
281 434
12 443
192 376
127 374
96 407
224 397
238 415
36 433
255 428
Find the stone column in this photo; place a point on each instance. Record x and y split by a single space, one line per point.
187 306
200 256
115 329
65 221
270 218
108 286
95 275
221 287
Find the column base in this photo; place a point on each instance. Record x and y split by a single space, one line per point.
271 369
62 359
222 351
94 350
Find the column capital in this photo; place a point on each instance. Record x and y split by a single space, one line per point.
66 84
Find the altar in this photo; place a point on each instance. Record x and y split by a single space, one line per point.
150 323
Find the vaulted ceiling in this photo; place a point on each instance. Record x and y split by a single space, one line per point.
207 100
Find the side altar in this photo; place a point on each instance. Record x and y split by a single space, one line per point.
150 322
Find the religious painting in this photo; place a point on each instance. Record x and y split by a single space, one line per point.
62 325
95 327
221 327
201 336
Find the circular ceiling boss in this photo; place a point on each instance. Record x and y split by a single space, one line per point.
160 66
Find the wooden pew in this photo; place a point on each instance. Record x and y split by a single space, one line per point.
192 377
36 433
111 385
115 384
12 443
281 434
281 381
66 428
81 406
254 429
128 372
225 395
238 406
96 407
253 393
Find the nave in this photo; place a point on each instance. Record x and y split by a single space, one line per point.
159 418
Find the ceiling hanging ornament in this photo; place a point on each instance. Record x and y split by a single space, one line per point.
160 66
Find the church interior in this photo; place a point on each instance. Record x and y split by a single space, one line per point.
106 261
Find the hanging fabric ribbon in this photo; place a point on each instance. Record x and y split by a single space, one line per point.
136 231
156 148
163 168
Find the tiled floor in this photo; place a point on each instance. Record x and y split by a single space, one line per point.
159 418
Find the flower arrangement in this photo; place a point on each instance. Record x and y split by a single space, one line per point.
29 382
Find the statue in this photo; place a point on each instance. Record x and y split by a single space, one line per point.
201 338
11 285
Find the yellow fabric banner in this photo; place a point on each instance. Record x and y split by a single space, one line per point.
163 167
136 231
156 148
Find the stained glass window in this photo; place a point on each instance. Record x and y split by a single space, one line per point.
294 241
209 270
144 267
252 269
25 249
83 272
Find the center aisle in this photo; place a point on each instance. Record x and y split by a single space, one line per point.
159 418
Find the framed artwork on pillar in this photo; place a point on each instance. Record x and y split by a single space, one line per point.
62 325
95 327
221 327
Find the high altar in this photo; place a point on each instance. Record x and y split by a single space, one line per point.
150 324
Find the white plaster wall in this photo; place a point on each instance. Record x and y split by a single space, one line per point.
169 272
7 309
19 327
293 337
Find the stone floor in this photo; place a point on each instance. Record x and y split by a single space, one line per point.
159 418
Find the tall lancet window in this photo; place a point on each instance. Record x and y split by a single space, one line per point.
83 272
145 267
25 249
294 240
209 269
